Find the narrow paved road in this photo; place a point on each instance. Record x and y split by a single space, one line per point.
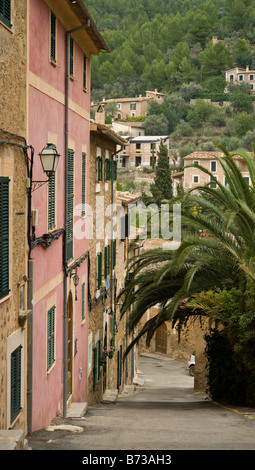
164 414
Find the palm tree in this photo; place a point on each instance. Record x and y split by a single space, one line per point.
224 258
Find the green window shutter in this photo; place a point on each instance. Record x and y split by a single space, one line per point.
114 170
109 258
99 270
83 301
5 12
71 56
15 382
83 183
4 237
51 202
105 262
53 22
114 247
50 337
84 72
70 195
99 169
95 373
107 169
99 357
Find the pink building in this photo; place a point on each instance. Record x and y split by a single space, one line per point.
62 38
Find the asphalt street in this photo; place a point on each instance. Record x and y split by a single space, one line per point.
164 413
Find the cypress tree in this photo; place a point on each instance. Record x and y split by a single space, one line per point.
162 187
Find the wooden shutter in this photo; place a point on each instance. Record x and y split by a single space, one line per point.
53 23
50 337
4 237
83 183
114 170
71 58
51 202
95 368
99 269
105 262
15 382
83 301
114 247
84 72
5 12
70 195
99 358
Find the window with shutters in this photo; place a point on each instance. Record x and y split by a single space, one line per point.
71 58
53 42
99 269
114 170
114 249
99 169
5 12
50 337
83 184
70 196
107 260
15 382
108 169
4 237
83 301
51 203
84 72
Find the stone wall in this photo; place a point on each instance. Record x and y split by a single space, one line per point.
13 124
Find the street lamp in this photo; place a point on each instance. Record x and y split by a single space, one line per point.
49 159
75 281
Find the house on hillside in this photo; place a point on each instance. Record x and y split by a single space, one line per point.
241 75
195 177
143 150
131 107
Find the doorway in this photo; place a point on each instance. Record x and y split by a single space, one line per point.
161 339
69 345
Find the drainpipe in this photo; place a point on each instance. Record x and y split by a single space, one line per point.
68 33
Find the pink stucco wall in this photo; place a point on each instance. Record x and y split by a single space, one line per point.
46 114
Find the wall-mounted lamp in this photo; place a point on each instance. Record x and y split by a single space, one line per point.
76 280
49 159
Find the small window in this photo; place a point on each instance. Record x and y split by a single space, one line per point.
196 162
15 383
53 27
240 78
212 185
251 76
195 179
231 78
133 106
226 181
108 169
71 58
252 86
247 179
5 12
84 72
107 260
213 166
51 337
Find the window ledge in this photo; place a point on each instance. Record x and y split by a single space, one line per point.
6 27
53 62
7 297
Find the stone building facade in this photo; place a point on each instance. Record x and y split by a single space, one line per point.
108 257
14 313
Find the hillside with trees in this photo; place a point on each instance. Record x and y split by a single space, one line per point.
164 44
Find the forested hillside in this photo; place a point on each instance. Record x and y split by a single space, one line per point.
165 43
